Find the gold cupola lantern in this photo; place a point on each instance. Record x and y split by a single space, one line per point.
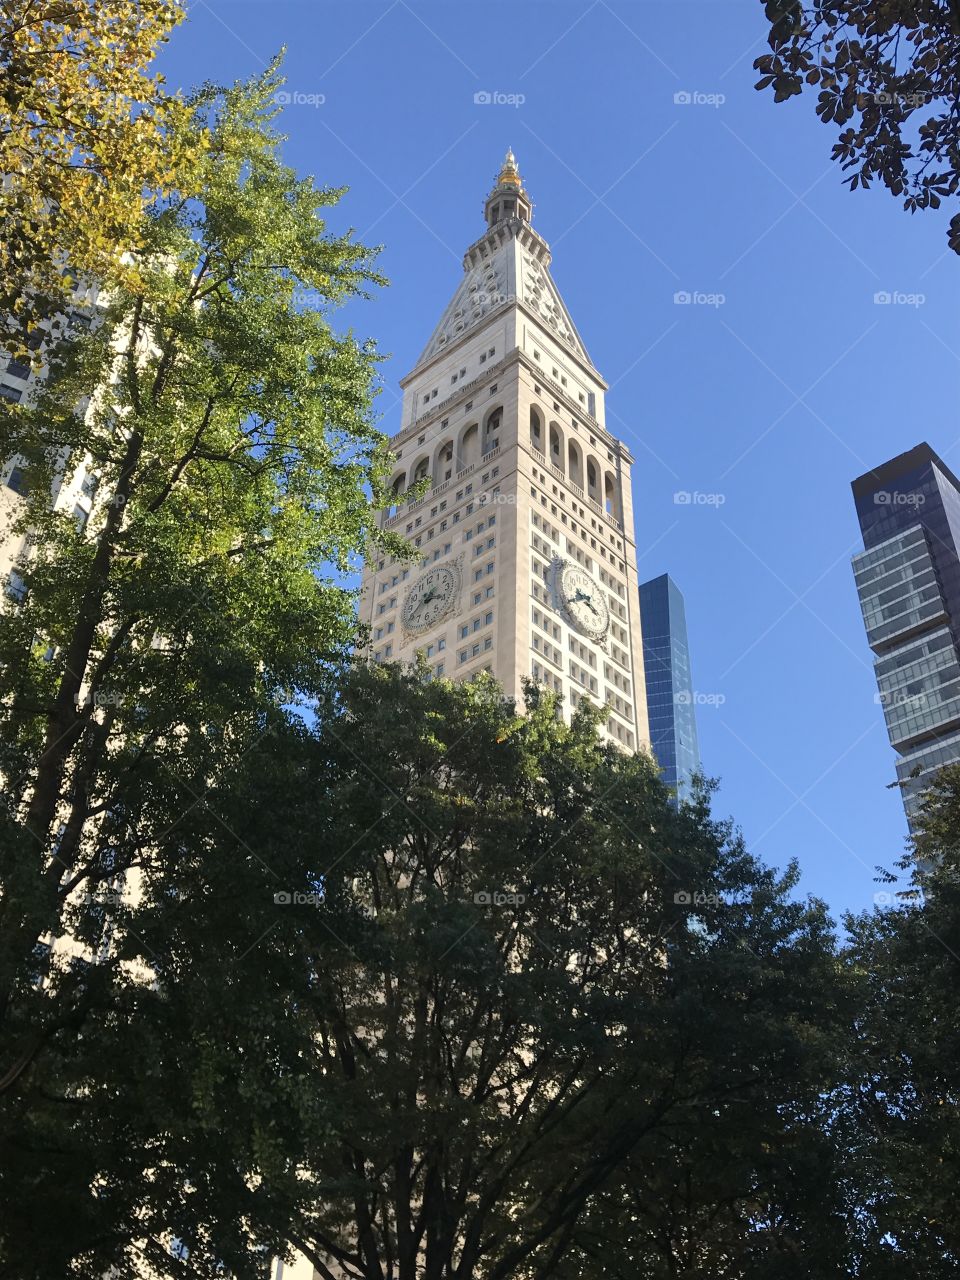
508 199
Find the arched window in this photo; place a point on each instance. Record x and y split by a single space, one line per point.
575 471
468 451
611 496
491 431
421 470
593 480
443 464
536 429
556 446
396 488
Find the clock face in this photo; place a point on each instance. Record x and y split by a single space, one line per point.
580 598
431 598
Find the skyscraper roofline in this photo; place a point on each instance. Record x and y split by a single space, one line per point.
903 463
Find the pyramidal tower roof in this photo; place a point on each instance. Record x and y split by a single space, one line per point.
509 266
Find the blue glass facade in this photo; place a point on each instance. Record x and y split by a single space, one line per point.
671 700
908 581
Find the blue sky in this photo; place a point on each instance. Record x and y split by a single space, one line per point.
766 404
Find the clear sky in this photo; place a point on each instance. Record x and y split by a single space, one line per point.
766 404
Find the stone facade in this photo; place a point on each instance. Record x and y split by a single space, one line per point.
525 527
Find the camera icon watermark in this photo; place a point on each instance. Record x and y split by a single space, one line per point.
101 698
889 498
484 299
703 898
297 898
900 698
694 498
695 98
696 298
295 98
884 98
107 898
307 298
693 698
497 98
497 898
897 298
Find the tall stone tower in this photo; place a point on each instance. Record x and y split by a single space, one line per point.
526 531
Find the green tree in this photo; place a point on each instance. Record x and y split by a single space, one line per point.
228 433
747 1180
529 980
904 1100
87 136
888 75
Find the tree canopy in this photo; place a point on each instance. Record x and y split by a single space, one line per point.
905 1102
88 136
887 75
533 980
221 443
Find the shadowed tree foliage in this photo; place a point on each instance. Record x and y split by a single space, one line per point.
905 1106
747 1183
887 76
533 982
226 436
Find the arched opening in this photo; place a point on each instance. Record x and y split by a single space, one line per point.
593 480
491 430
536 429
611 497
443 463
556 446
397 487
575 471
468 451
420 471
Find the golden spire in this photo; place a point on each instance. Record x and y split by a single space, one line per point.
509 173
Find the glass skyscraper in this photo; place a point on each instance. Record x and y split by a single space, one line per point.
671 700
908 581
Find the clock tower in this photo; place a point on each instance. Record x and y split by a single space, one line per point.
524 527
